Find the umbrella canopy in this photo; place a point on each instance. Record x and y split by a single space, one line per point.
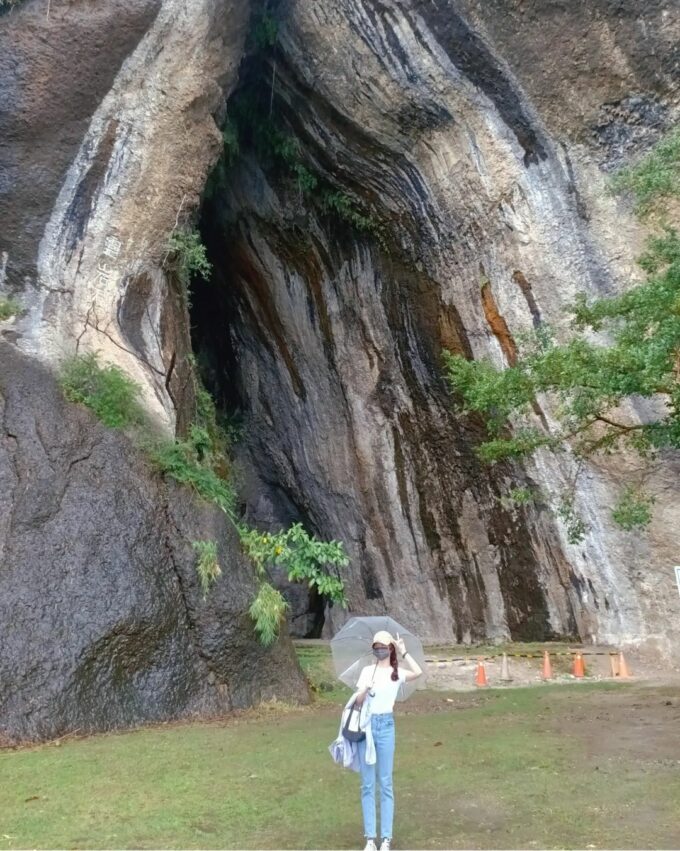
352 651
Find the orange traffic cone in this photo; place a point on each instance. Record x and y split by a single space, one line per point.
578 669
614 664
624 673
546 673
480 677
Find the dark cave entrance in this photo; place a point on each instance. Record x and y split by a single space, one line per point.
216 313
231 347
272 143
220 310
216 309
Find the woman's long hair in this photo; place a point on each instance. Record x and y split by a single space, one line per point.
393 662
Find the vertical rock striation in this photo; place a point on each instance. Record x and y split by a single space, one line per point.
460 151
485 211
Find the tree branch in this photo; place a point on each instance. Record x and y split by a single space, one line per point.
620 426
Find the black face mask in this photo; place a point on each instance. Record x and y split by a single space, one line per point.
381 652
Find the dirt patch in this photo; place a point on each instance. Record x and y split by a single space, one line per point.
454 668
459 674
636 721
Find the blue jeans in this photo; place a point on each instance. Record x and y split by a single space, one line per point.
383 736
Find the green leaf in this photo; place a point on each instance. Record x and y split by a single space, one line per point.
207 566
634 509
656 176
303 557
187 255
267 611
8 307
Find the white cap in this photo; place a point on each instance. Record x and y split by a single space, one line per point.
383 637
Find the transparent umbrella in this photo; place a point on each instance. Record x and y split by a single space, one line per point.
352 651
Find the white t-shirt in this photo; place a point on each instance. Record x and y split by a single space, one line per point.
385 688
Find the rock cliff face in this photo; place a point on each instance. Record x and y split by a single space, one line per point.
102 620
106 137
475 138
459 150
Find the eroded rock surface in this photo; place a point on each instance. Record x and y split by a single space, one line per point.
477 137
107 135
474 139
103 622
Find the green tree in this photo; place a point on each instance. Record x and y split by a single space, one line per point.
621 349
303 557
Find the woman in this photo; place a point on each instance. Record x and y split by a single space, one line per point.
380 683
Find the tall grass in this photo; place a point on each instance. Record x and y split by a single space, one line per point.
105 389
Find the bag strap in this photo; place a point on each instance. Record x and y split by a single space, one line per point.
375 667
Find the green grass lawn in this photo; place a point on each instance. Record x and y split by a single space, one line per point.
489 770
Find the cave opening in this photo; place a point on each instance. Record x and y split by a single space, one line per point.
263 150
280 219
257 141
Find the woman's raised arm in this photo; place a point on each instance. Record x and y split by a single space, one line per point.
416 671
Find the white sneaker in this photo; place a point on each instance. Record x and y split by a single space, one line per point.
370 845
385 845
